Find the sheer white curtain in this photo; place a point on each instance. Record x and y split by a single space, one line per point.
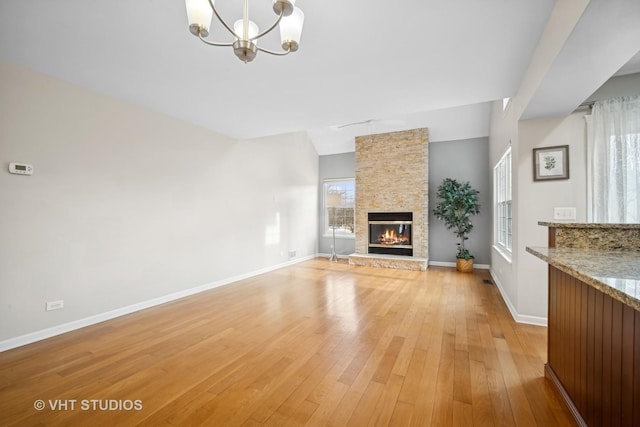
613 133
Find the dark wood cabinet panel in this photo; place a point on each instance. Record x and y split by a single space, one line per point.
593 352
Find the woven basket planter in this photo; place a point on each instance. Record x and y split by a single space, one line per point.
464 265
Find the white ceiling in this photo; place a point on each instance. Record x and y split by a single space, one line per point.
401 64
606 37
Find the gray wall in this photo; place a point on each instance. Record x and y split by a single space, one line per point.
334 167
127 205
616 87
464 160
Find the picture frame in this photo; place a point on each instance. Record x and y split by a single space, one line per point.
551 163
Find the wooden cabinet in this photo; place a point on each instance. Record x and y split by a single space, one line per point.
594 320
593 352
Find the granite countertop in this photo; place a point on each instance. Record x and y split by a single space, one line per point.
587 225
615 273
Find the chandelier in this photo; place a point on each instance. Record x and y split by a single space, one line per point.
245 32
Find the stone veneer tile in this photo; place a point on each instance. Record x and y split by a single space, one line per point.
389 261
392 176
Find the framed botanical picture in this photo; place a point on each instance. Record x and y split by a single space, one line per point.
551 163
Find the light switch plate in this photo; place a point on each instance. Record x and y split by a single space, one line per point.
564 214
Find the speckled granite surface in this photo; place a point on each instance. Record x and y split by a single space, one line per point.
588 225
602 238
624 237
614 272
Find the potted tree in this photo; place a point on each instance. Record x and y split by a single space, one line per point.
457 202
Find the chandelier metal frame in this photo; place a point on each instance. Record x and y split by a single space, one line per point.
245 46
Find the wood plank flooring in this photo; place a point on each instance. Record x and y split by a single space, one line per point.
316 344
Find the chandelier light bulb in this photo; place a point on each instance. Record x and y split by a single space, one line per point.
238 28
291 30
245 40
199 14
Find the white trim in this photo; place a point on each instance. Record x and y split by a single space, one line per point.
325 255
340 236
589 168
503 194
453 264
506 103
442 264
520 318
327 232
505 253
98 318
532 320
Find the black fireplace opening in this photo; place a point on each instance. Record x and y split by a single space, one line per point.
390 233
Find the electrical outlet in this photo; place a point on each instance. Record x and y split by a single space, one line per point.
55 305
292 254
564 214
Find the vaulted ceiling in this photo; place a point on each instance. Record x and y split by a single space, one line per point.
381 65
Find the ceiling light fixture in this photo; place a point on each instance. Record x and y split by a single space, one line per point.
245 32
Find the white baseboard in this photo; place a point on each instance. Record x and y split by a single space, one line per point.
453 264
520 318
92 320
324 255
98 318
532 320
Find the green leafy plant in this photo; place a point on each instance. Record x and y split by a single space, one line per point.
457 202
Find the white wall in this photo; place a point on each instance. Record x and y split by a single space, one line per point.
523 281
127 205
526 295
522 278
536 200
503 130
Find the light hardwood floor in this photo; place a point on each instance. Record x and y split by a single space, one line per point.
317 343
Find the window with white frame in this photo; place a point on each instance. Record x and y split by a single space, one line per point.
505 103
502 202
339 206
613 172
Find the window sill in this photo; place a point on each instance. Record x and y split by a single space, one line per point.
340 236
503 252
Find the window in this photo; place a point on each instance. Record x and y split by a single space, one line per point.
505 103
339 206
502 202
614 160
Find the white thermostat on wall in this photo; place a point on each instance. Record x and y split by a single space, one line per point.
20 169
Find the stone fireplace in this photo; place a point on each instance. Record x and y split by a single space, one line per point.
392 178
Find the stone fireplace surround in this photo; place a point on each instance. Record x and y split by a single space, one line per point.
392 176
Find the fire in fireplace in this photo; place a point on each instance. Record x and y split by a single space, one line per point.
390 233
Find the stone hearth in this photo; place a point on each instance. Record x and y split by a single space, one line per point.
390 261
